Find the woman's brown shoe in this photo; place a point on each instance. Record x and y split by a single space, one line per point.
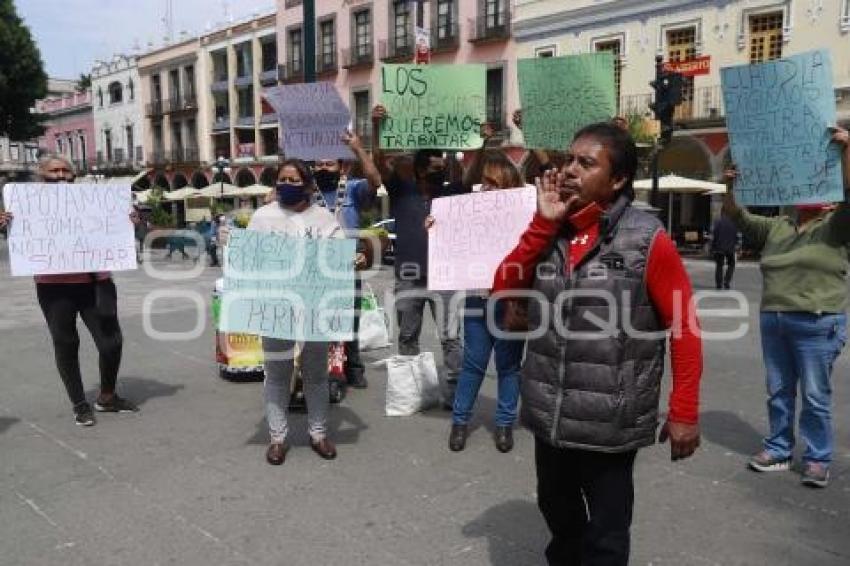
324 448
276 453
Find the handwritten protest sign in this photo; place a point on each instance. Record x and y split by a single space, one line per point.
777 115
289 288
312 119
473 233
68 228
561 95
432 106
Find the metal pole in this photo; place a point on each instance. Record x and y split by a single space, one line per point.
309 14
653 197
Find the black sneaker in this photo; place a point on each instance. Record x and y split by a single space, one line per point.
116 405
83 415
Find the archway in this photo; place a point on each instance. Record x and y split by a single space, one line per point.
245 178
688 157
199 180
161 181
217 178
268 177
180 181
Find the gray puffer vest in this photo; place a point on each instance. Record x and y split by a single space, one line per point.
592 381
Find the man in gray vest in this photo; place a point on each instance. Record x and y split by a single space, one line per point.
607 286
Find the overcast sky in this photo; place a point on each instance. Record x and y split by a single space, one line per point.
72 34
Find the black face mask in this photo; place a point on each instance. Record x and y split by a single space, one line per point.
326 180
436 179
56 180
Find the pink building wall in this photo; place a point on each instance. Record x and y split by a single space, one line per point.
499 52
70 128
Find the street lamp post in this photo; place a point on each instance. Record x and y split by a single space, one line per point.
222 167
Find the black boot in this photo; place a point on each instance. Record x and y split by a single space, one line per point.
457 437
504 438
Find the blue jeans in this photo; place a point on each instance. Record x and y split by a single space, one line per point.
478 344
801 347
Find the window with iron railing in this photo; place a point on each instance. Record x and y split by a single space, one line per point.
219 61
445 19
269 49
362 114
615 47
682 46
495 97
295 59
327 50
494 14
362 35
244 60
765 37
401 26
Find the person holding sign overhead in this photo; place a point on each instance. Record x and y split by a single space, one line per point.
804 265
93 297
591 380
411 185
294 214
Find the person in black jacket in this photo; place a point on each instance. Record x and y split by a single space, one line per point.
724 240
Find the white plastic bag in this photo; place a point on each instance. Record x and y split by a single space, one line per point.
373 331
412 384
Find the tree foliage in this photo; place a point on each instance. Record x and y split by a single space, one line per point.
22 76
84 82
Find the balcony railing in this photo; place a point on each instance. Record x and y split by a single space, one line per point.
396 49
219 85
181 104
358 56
445 37
706 104
245 121
326 65
184 155
154 109
290 73
156 158
221 123
490 27
268 78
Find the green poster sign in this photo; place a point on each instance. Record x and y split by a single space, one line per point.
561 95
432 106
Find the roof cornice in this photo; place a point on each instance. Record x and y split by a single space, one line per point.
567 20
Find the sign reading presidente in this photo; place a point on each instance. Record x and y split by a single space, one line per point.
432 106
691 67
778 114
69 228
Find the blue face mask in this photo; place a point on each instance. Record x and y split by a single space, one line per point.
290 195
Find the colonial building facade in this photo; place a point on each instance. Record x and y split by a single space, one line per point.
118 116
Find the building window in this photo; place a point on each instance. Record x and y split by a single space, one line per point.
221 100
219 61
363 33
83 155
615 47
107 139
765 37
269 49
401 25
156 88
845 15
246 102
682 46
445 19
189 76
548 51
295 59
495 97
100 97
71 148
174 83
131 89
116 92
327 49
494 13
128 130
362 115
244 61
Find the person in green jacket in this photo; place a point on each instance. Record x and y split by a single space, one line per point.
804 265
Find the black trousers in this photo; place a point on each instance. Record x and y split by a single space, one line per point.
61 303
587 499
720 281
354 368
